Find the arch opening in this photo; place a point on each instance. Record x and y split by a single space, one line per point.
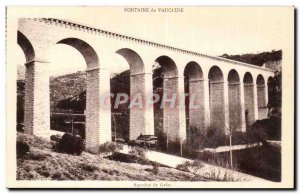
78 88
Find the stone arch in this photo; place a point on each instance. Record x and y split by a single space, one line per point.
26 46
140 119
194 102
134 60
234 95
165 82
215 74
89 54
249 99
216 97
168 66
193 71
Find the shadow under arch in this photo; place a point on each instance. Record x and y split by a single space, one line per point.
249 99
89 54
234 97
216 98
26 46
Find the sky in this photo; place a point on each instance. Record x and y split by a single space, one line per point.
208 30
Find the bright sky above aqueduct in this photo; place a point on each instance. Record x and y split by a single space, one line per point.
209 30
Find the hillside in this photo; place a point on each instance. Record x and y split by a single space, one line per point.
42 163
256 59
70 86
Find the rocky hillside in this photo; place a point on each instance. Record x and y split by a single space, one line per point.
42 163
256 59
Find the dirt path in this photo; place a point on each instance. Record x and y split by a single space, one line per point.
206 170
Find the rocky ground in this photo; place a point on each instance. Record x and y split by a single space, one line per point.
42 163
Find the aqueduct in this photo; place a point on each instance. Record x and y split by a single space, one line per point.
225 89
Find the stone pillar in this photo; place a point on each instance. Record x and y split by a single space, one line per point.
261 101
266 88
255 103
141 117
98 109
181 109
206 103
149 112
174 123
226 109
197 113
217 104
250 99
235 113
242 102
267 99
37 99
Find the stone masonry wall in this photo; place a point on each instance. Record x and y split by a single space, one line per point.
197 115
98 119
171 115
37 99
249 103
137 119
217 106
235 119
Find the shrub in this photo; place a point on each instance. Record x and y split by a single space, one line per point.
129 158
138 152
55 138
22 148
37 156
217 175
266 129
70 144
212 137
89 167
109 147
184 166
155 166
34 141
93 150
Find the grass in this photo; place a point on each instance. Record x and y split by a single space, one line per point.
42 163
